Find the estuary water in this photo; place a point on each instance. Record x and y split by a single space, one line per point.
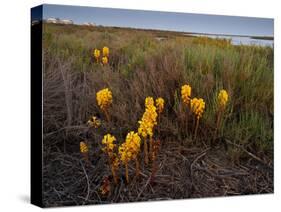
240 40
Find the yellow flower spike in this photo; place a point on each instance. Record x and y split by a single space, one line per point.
149 101
94 122
105 51
108 141
222 98
97 54
160 105
197 107
104 99
147 123
83 147
109 146
222 101
129 150
186 94
104 60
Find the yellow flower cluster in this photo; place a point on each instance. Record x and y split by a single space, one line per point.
130 148
186 94
94 122
83 147
160 105
104 60
104 98
197 107
108 141
96 54
149 118
222 98
105 55
105 51
149 101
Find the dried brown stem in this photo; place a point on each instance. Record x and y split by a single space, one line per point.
159 124
127 172
86 157
137 167
196 128
219 119
145 152
186 120
114 174
150 147
107 115
112 168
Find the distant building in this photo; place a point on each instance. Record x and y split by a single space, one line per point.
89 24
52 20
58 21
66 21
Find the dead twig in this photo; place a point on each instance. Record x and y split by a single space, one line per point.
88 182
247 152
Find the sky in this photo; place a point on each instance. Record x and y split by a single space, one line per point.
182 22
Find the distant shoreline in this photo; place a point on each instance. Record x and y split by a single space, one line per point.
228 35
191 34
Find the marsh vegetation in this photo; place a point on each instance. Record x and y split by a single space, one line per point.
226 151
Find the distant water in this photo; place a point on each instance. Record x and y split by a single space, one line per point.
240 40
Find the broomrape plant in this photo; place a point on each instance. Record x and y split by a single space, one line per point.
129 150
104 99
222 101
104 60
96 54
160 105
109 146
186 94
197 107
147 124
105 55
159 108
186 97
105 51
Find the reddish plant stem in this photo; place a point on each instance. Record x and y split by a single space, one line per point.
112 168
145 151
196 128
127 172
220 112
107 115
150 147
137 167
